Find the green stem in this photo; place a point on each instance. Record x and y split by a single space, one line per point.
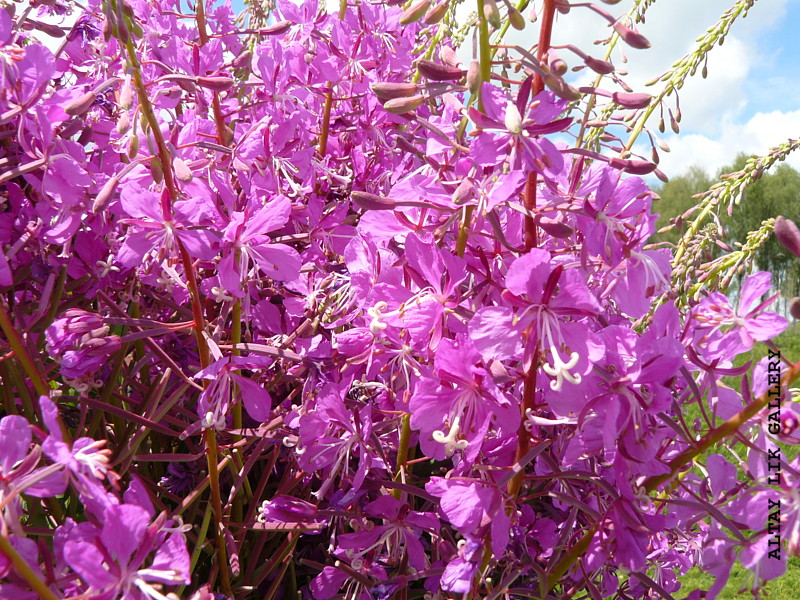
23 569
216 502
21 352
402 450
485 51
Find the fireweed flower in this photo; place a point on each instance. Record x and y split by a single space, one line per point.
498 332
112 558
721 332
82 345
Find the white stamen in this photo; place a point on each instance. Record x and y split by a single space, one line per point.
560 369
451 444
376 312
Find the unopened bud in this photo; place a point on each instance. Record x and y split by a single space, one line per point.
449 57
662 144
387 90
216 84
123 123
788 234
80 105
276 29
513 120
556 64
633 38
126 95
474 76
633 101
182 170
563 6
492 13
436 13
104 197
601 67
399 106
561 89
673 123
415 12
368 201
156 170
133 147
108 29
557 229
439 72
634 167
794 307
243 60
49 29
516 19
463 192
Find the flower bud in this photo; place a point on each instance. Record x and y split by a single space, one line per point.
794 307
633 101
515 18
49 29
123 123
449 56
276 29
243 60
601 67
126 95
552 227
415 12
133 147
156 170
633 38
463 192
439 72
492 13
80 105
216 84
634 167
561 89
182 170
367 201
436 13
556 64
387 90
474 76
104 196
788 234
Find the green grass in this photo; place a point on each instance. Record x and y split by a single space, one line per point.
786 587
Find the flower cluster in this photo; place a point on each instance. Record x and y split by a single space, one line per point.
355 314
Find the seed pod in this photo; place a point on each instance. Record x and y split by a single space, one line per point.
80 105
104 197
387 90
633 101
436 13
474 76
516 19
182 170
216 84
276 29
123 123
633 38
788 234
492 13
415 12
368 201
439 72
399 106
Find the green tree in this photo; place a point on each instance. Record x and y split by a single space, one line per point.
676 198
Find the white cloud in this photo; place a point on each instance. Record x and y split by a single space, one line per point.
754 136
